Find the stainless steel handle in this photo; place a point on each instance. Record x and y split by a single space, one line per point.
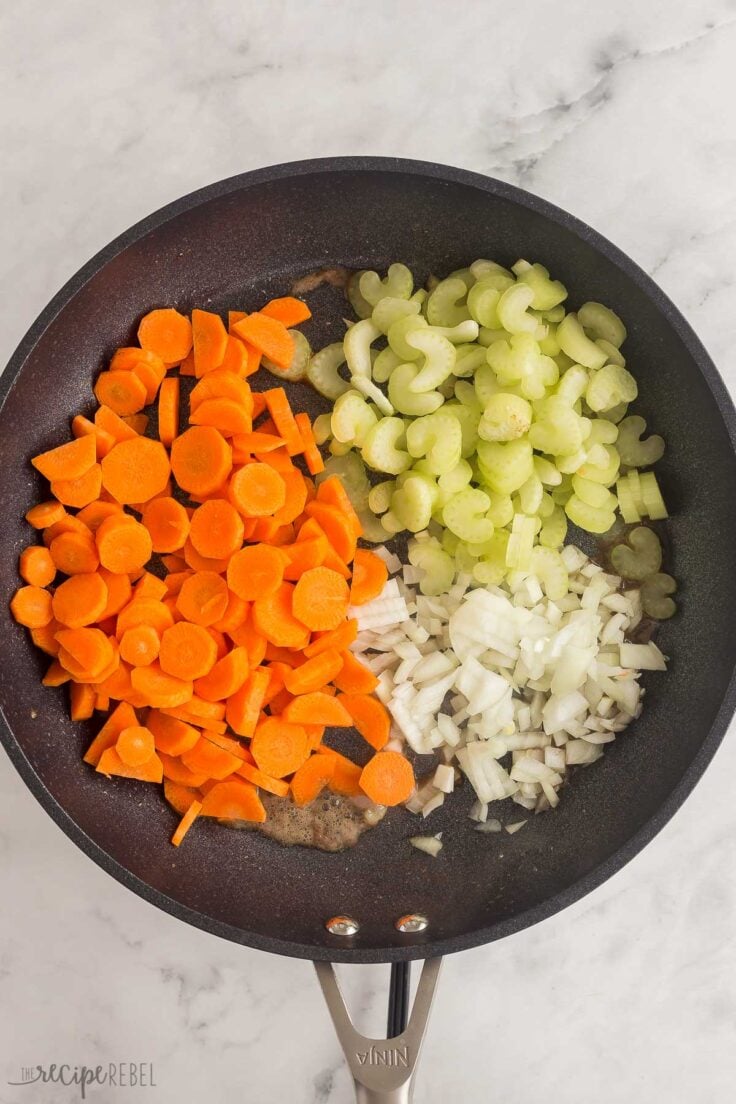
383 1069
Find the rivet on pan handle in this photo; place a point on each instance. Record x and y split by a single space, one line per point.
383 1069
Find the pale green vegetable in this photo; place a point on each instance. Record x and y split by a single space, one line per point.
546 472
407 401
590 518
437 564
458 335
384 364
554 529
439 359
338 448
437 437
468 358
468 417
530 495
640 557
513 310
634 483
465 275
446 304
593 494
323 371
519 361
297 370
351 472
465 516
373 528
483 300
357 345
390 310
379 496
627 503
505 466
651 496
412 504
655 598
505 418
398 284
548 293
634 452
546 506
549 345
491 569
501 510
521 543
370 391
360 305
456 479
613 355
558 429
381 447
601 322
397 334
580 348
486 385
549 568
605 473
610 386
572 384
352 418
482 269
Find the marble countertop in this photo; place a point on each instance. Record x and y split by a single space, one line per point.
622 115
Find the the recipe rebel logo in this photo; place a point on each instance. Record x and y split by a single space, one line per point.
120 1075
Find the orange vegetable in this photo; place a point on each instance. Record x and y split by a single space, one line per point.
387 778
370 716
196 562
111 763
311 778
318 708
346 777
304 555
107 420
255 572
80 600
245 704
140 645
274 619
369 577
166 333
55 675
321 599
31 606
269 336
338 639
257 441
332 492
159 689
315 673
95 513
44 637
45 514
36 567
235 614
74 553
354 677
123 544
283 418
68 461
103 440
336 525
135 745
288 310
168 410
135 470
256 490
179 797
233 800
312 455
247 636
123 392
187 651
172 736
128 357
296 495
186 368
137 422
272 785
201 459
186 822
167 522
210 341
226 676
216 529
206 757
176 772
143 611
150 586
222 384
279 748
80 491
203 598
82 699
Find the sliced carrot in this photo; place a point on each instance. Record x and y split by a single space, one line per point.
304 555
31 606
256 572
332 492
55 675
127 357
84 649
233 800
135 470
312 455
337 526
158 688
226 415
235 614
186 822
369 577
247 636
122 717
110 422
255 776
269 336
80 491
222 384
187 651
314 674
104 441
226 676
254 357
167 522
123 392
168 410
177 772
111 763
207 758
137 422
150 586
123 544
80 600
179 797
283 418
295 498
279 748
245 704
135 745
140 645
235 359
311 529
210 341
172 561
234 316
167 333
339 639
82 702
273 617
186 368
203 598
256 490
95 513
387 778
257 441
354 677
318 708
151 376
172 736
196 562
311 778
74 553
346 777
216 529
289 310
68 461
68 524
45 514
44 637
143 611
370 717
36 567
321 599
201 459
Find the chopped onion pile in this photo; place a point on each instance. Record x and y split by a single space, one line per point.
504 683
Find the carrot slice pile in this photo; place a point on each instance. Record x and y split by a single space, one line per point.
191 581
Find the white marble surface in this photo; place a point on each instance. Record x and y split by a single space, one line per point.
623 113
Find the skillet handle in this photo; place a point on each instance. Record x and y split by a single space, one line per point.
383 1069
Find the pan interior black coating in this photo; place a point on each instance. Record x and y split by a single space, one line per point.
230 246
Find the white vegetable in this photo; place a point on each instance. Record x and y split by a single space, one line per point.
431 845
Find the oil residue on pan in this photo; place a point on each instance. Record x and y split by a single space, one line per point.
331 824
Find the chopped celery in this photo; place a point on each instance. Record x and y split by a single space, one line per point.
468 419
483 300
412 503
437 566
506 417
351 472
491 569
398 332
398 284
381 449
390 310
651 496
360 305
352 418
384 364
558 429
548 566
439 360
322 428
445 305
590 518
501 510
580 348
610 386
465 514
593 494
606 473
572 384
626 502
468 358
371 391
634 452
297 370
407 401
554 529
323 374
548 293
601 323
530 495
439 438
546 472
613 355
456 478
512 310
640 557
655 598
459 334
505 465
521 543
357 344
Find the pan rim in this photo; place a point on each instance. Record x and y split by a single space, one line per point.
624 854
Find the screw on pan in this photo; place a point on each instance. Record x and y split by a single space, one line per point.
412 923
342 925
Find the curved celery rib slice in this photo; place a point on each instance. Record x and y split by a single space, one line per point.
640 557
655 600
323 371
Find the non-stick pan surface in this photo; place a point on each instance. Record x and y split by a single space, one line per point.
229 246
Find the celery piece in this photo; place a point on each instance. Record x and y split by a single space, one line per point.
463 274
439 360
602 323
626 502
379 496
512 310
576 345
483 300
466 394
371 391
398 283
634 452
506 417
554 529
406 401
548 566
521 543
611 385
438 437
456 479
445 306
468 358
491 568
339 448
482 269
468 419
372 527
323 371
384 364
640 557
501 510
634 483
519 361
486 384
360 305
352 418
546 507
397 334
548 293
530 495
357 344
606 473
411 504
602 432
593 494
549 345
459 334
571 462
505 465
322 428
652 497
437 565
557 430
613 355
617 412
572 384
465 514
381 449
587 517
546 472
390 309
297 370
654 596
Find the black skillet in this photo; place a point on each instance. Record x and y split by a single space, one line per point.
230 246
